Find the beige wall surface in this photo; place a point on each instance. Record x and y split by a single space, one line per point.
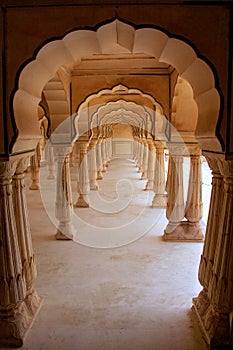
122 131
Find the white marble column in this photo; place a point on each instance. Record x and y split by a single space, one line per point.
103 155
214 305
35 169
193 211
108 146
151 164
159 186
83 176
64 208
140 156
135 149
99 159
92 164
175 200
15 317
49 155
29 273
144 159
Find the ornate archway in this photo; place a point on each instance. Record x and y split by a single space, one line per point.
115 38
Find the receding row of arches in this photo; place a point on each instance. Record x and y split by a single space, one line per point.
80 88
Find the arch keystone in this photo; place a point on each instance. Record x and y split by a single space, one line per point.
116 37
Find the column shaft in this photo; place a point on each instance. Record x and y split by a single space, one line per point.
49 155
175 200
83 177
151 164
99 159
160 197
92 164
193 212
144 160
64 209
35 169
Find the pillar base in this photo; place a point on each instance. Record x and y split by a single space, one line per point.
16 322
94 186
99 175
82 202
215 326
144 176
33 301
34 186
61 237
149 185
159 201
64 231
183 231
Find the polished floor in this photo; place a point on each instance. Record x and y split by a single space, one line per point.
112 294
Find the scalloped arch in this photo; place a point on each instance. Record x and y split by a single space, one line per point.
114 37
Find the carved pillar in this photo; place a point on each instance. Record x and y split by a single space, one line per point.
193 212
137 145
103 155
83 178
135 149
144 159
50 161
108 150
140 156
14 314
72 157
92 164
35 169
151 164
168 174
175 199
214 305
160 197
32 299
64 209
99 159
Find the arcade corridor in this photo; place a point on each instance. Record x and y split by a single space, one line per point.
137 296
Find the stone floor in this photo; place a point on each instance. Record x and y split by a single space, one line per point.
135 296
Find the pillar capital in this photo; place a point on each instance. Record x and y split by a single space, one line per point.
226 169
7 169
62 150
178 149
22 165
193 149
159 144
